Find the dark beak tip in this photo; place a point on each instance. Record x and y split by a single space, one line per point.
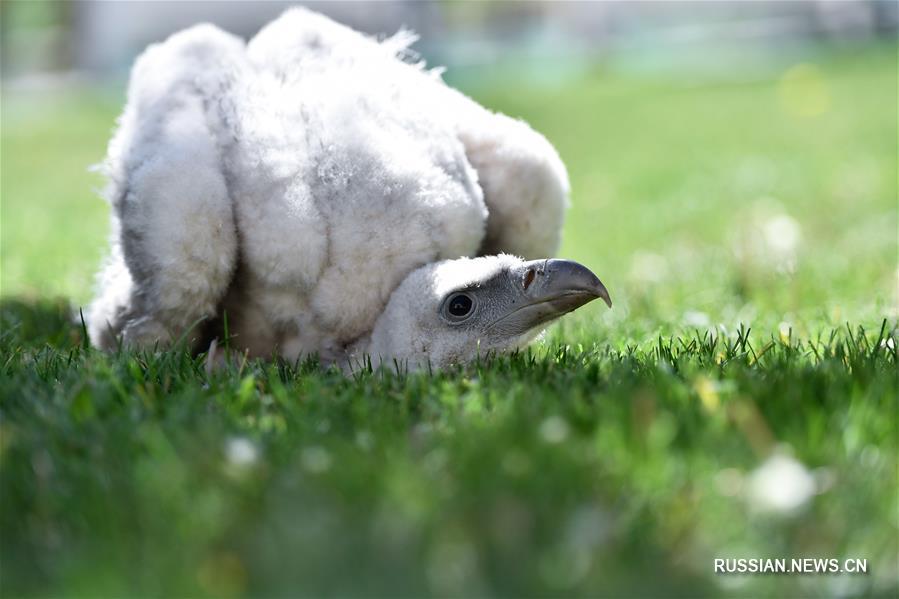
602 293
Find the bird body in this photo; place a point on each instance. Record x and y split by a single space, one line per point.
293 184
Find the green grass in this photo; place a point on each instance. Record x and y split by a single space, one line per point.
746 228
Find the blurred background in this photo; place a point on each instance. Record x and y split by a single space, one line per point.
731 163
727 158
99 39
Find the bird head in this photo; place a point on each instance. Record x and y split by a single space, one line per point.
450 312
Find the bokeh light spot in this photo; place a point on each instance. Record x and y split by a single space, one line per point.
804 92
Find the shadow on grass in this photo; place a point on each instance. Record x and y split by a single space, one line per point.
37 322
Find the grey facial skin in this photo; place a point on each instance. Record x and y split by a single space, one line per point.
521 299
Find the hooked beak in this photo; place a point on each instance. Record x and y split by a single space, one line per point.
548 290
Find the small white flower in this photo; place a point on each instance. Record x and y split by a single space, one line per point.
768 238
785 331
241 452
782 236
693 318
780 485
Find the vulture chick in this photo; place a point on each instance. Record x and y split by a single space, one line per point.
324 195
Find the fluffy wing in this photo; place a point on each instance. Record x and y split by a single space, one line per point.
174 241
524 181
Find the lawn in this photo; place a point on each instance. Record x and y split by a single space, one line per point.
740 400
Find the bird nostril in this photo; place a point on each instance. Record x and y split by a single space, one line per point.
529 278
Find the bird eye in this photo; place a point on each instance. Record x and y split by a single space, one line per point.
458 307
